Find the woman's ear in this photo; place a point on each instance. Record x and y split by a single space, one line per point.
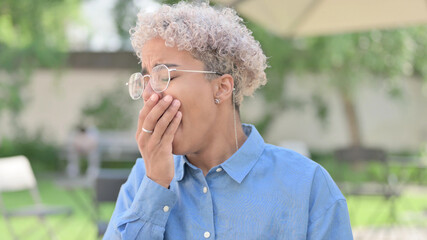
223 87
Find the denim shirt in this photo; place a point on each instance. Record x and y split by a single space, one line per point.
261 192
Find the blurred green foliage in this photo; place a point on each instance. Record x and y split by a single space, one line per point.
113 110
43 155
124 15
370 171
32 34
343 62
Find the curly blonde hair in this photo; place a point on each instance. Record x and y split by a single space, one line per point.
215 36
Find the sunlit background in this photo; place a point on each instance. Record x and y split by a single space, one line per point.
347 87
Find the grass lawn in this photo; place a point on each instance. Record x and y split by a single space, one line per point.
410 210
364 211
78 226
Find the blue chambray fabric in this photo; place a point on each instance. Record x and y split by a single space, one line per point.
261 192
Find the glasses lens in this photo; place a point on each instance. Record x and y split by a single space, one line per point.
136 85
160 78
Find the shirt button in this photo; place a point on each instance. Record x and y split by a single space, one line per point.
207 235
166 208
205 189
219 169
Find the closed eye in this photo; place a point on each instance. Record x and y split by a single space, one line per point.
173 76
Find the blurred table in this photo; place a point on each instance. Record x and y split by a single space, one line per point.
107 184
107 188
85 192
407 164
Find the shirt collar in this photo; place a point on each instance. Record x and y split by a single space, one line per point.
240 163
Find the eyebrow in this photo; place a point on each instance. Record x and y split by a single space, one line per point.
169 65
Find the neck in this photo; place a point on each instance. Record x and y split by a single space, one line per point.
221 144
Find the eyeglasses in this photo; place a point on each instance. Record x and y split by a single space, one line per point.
159 79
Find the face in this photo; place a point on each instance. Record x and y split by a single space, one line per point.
193 90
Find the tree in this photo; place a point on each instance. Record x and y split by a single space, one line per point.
346 60
32 34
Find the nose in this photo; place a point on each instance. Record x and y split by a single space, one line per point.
148 91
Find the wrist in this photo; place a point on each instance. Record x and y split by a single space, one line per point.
165 185
161 182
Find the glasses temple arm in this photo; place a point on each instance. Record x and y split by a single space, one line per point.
194 71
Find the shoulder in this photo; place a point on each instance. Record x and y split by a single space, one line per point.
289 161
298 171
324 193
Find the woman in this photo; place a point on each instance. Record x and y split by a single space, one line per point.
204 175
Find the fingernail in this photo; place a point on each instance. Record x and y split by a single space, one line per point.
175 102
167 98
153 97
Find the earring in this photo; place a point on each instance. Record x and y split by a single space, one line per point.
217 101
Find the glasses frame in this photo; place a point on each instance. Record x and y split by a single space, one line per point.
169 78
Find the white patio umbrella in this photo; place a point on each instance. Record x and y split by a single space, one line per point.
294 18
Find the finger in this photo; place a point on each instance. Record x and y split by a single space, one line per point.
165 120
144 112
153 116
171 130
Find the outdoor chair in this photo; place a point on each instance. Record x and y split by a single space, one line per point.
16 175
384 183
107 188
